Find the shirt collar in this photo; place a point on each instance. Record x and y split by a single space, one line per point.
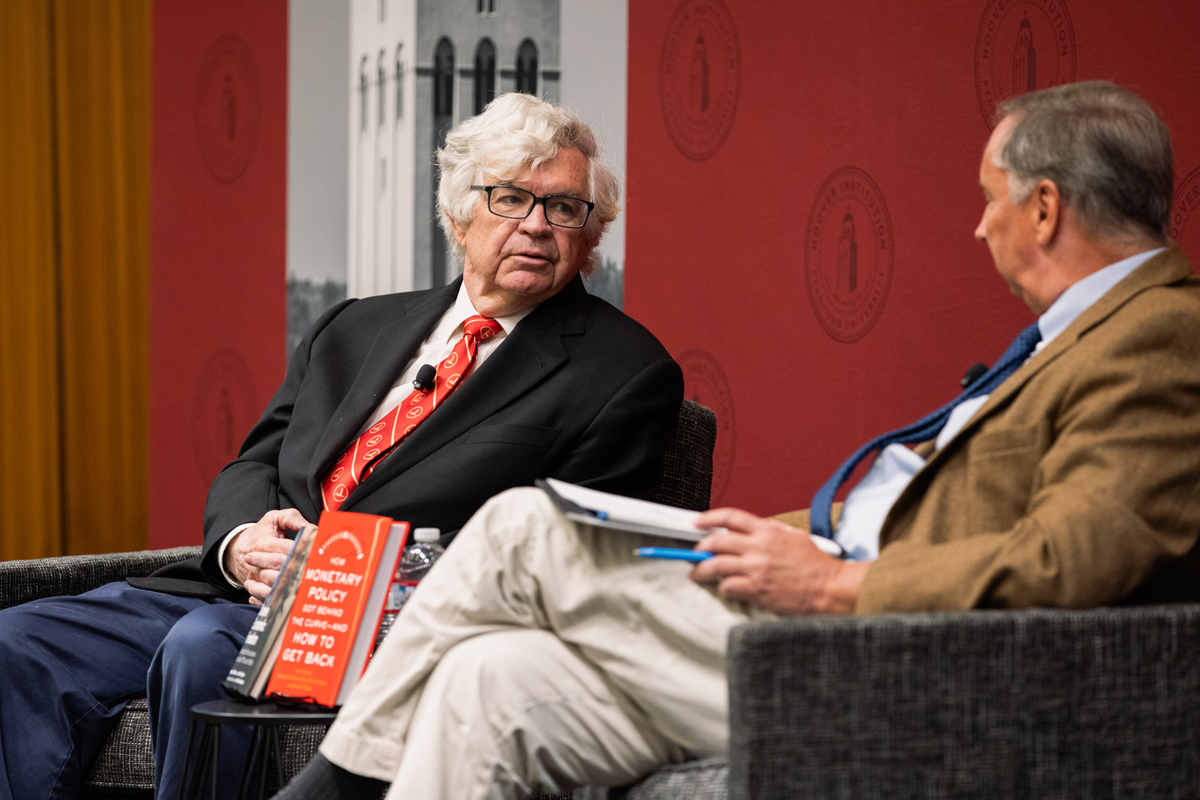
1080 296
463 310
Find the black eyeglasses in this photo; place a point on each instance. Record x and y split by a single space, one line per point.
513 203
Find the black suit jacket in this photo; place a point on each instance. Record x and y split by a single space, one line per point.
578 391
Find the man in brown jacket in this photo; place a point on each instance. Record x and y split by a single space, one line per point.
542 654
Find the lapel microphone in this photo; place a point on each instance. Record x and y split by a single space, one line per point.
974 373
426 376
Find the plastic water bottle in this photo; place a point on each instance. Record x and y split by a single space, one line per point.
414 564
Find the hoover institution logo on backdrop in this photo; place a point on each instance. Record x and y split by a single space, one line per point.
1185 231
699 77
224 408
848 254
228 107
1022 45
704 382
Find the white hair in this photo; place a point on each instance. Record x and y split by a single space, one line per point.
516 131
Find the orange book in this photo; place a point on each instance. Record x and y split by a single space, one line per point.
339 604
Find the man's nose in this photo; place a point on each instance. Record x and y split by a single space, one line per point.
536 223
981 230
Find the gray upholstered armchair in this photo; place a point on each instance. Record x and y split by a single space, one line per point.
983 705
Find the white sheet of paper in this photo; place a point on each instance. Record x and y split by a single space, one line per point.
643 512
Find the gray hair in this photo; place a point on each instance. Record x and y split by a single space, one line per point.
1103 147
513 132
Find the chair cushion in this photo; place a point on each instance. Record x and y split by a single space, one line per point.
125 763
704 779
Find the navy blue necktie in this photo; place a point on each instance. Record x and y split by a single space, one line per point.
923 429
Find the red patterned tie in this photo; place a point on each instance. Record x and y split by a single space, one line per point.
365 453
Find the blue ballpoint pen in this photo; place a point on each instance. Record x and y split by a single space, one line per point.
673 553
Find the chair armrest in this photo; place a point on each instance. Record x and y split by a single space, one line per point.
981 704
21 581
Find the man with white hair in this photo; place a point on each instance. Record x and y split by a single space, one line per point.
534 378
542 654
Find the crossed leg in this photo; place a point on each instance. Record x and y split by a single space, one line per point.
540 654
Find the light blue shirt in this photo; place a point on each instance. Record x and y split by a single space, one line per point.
868 503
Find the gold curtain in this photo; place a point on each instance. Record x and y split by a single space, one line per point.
74 275
30 457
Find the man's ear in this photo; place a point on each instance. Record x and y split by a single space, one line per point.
460 233
1046 208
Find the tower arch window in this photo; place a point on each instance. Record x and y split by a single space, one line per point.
485 74
364 85
443 79
443 120
527 67
381 76
399 83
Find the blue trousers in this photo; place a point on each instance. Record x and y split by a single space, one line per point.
68 666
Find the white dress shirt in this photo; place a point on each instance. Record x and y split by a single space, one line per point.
868 503
436 348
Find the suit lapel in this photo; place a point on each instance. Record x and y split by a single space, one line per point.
1165 268
524 359
390 352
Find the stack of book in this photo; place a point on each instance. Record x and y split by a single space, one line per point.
316 631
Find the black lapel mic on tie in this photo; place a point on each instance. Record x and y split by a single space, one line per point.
973 373
426 375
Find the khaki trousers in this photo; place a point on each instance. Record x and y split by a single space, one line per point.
540 654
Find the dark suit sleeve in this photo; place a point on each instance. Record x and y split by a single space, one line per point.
621 450
248 487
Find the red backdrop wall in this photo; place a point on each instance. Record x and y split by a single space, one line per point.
757 127
217 246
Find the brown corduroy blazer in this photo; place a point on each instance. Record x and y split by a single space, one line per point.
1077 484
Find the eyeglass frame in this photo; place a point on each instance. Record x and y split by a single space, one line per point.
590 205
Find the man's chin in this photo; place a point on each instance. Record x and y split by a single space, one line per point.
529 283
530 291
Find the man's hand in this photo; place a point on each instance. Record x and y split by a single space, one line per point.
256 554
774 566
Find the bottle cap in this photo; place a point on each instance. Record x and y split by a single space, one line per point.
427 535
